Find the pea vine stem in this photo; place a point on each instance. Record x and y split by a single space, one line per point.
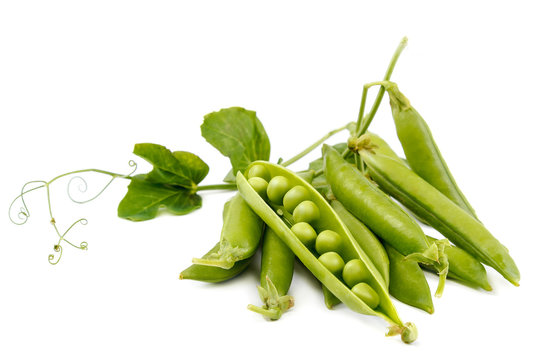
314 145
216 187
362 122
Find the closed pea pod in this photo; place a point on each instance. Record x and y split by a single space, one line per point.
407 282
214 274
328 220
383 216
422 153
240 236
277 267
464 267
440 212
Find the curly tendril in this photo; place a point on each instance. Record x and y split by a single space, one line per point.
83 185
21 217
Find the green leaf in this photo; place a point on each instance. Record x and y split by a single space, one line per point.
144 200
180 168
238 134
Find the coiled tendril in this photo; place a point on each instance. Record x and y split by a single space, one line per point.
23 214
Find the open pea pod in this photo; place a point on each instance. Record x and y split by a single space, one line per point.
278 217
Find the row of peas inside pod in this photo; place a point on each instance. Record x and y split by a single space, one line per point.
295 206
308 225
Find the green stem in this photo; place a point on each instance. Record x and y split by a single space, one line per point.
362 122
217 187
114 175
313 146
369 117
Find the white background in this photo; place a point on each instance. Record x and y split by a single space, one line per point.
82 82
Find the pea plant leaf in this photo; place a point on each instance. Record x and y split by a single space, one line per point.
238 134
178 168
171 185
144 200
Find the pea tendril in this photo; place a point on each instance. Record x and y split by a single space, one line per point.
24 213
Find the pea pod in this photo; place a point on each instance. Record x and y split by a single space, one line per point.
421 151
277 267
464 268
440 212
382 146
280 221
214 274
240 236
383 216
461 265
407 282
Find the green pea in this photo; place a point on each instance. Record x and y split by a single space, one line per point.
277 187
305 233
328 240
259 185
259 171
333 262
366 294
354 272
294 197
306 211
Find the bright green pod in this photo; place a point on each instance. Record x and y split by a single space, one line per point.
371 206
382 146
240 235
277 267
464 268
365 238
328 219
382 215
420 149
443 214
214 274
408 283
